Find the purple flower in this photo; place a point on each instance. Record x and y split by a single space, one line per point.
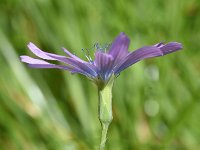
105 63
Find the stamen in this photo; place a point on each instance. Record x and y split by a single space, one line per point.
102 48
96 46
87 54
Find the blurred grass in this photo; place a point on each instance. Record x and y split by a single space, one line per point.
155 102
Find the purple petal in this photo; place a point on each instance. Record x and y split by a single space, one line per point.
80 65
137 55
104 63
170 47
86 67
72 70
74 62
119 47
72 55
38 52
49 66
48 56
37 63
45 55
31 60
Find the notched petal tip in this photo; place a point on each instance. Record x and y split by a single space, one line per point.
171 47
177 46
122 34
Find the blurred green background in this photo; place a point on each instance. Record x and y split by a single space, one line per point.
155 102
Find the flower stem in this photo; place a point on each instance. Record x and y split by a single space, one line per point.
105 109
103 136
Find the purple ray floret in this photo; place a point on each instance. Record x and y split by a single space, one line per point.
105 63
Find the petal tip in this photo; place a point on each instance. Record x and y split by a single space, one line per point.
22 58
170 47
30 44
179 45
122 33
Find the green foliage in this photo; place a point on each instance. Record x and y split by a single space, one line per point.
155 102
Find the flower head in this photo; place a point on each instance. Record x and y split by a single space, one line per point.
105 63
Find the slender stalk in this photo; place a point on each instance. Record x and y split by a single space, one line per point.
105 110
103 136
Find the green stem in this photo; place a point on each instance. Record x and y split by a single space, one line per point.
105 110
103 136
